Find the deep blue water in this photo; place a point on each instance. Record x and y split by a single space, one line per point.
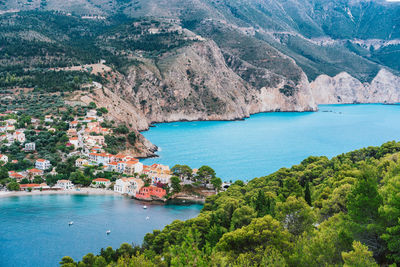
266 142
34 230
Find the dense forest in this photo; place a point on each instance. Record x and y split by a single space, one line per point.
342 211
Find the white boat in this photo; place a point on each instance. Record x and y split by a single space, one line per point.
108 232
147 218
145 207
71 223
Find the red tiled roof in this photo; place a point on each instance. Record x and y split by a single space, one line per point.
35 171
28 185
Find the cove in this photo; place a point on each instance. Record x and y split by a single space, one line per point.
266 142
35 231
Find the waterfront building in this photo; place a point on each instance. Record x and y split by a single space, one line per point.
151 191
65 184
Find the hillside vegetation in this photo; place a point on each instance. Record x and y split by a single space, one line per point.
339 212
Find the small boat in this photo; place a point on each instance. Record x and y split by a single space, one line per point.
147 218
70 223
108 232
144 207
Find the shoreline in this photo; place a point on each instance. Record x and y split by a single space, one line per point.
103 192
83 191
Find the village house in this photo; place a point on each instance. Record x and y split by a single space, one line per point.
133 166
35 172
25 187
65 184
122 185
17 176
74 141
42 164
111 167
72 133
48 118
73 124
135 186
11 121
3 158
3 128
158 173
121 166
81 163
151 191
19 136
93 140
10 128
30 147
101 181
101 158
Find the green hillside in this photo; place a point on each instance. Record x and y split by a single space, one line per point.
342 211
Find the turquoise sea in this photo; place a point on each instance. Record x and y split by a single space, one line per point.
266 142
34 230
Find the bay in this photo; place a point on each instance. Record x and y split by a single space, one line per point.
266 142
34 230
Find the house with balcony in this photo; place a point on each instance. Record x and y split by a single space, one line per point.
65 184
42 164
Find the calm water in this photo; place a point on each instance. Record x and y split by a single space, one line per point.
266 142
34 230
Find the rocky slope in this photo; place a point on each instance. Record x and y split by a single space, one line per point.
344 89
195 83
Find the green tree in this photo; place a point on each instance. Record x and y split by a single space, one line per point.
176 184
242 216
358 257
260 233
132 138
67 262
13 186
216 182
182 171
295 215
363 208
205 174
307 194
390 212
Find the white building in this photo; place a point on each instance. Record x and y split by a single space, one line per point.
122 185
135 186
3 158
81 162
30 146
19 136
74 141
42 164
65 184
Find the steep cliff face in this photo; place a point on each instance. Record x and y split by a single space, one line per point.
344 89
194 83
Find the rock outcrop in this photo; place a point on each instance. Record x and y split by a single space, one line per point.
345 89
194 83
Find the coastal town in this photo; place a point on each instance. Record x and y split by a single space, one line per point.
78 149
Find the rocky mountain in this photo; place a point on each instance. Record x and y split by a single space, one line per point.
345 89
204 59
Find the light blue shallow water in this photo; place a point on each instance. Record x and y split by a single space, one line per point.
34 230
266 142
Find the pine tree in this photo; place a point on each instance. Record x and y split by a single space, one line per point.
307 194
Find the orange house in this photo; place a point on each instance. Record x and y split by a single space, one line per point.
150 191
